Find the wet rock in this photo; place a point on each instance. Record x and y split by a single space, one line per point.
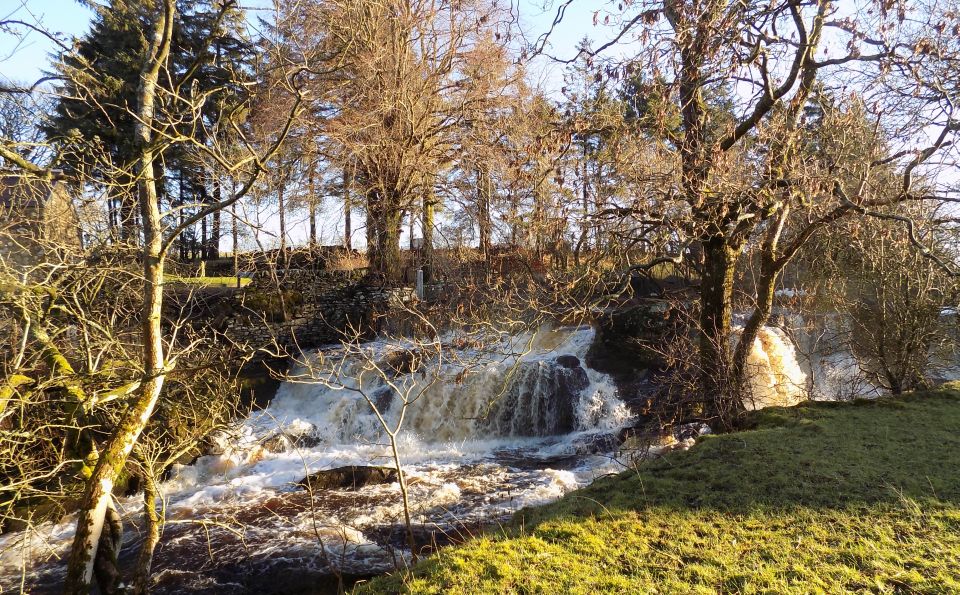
351 477
691 430
571 362
522 459
646 442
629 347
596 443
427 538
631 339
276 443
383 398
402 361
286 441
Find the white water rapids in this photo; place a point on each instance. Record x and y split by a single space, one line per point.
488 432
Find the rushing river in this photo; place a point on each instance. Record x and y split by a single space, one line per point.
488 432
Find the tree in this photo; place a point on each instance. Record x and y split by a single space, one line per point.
744 181
93 122
397 98
161 102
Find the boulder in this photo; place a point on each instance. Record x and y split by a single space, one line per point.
596 443
629 345
631 338
571 362
383 398
402 361
285 442
351 477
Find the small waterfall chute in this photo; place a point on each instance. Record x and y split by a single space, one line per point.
774 376
538 389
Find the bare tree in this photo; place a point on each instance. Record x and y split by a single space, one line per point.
729 87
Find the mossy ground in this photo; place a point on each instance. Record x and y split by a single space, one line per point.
820 498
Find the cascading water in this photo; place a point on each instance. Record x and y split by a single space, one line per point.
775 378
484 433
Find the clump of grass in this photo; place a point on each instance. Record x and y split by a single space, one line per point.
817 498
208 281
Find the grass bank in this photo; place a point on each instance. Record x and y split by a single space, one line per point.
821 498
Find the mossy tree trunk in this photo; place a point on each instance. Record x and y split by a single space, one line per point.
383 234
484 192
97 499
716 314
347 210
151 537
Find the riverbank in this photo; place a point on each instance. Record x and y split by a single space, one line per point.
862 496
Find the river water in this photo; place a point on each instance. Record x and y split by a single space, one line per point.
486 432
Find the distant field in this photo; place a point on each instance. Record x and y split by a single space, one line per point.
821 498
208 281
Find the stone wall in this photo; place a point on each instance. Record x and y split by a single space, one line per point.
322 307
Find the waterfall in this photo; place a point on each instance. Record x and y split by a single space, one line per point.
775 378
486 430
533 386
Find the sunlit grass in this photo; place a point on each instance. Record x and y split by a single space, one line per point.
825 498
208 281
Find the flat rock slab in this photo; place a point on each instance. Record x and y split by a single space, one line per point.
351 477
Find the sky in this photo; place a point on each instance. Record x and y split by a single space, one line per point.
25 59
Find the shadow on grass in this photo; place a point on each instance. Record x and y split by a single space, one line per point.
815 455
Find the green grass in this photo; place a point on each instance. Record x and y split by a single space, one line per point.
821 498
208 281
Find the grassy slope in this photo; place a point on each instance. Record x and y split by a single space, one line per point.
819 498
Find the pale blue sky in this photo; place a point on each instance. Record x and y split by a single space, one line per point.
24 59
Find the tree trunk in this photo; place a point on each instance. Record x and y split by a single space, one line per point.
312 204
282 211
383 221
112 219
483 210
151 521
373 223
108 550
214 251
181 241
125 210
413 222
204 239
716 313
770 268
97 499
236 240
429 206
539 219
347 211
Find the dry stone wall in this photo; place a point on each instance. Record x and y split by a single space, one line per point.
323 307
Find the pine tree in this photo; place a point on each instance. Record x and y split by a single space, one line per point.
209 57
